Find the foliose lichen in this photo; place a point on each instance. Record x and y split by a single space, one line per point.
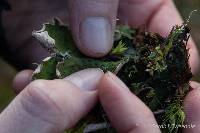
155 68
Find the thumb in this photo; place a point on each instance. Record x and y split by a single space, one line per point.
125 111
92 23
51 106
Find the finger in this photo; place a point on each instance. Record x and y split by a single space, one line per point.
21 80
137 13
158 16
126 112
192 110
49 106
89 82
92 23
194 85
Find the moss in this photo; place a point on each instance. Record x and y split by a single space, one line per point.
155 68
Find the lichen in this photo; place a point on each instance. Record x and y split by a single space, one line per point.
155 69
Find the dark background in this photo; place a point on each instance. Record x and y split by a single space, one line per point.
7 72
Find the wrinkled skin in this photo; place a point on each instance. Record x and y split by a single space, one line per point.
27 109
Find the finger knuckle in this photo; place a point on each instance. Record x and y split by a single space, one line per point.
36 102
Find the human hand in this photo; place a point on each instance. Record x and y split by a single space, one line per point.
92 23
51 106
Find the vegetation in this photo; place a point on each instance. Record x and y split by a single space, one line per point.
155 68
185 6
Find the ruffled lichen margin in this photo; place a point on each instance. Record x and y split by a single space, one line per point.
155 68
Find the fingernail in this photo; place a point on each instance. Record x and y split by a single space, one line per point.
118 81
96 35
87 79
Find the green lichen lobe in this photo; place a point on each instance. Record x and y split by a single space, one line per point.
155 68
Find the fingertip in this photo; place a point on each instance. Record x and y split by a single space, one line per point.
166 10
110 88
110 80
96 36
92 24
21 80
124 109
87 79
93 52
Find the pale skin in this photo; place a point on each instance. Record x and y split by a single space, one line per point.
45 106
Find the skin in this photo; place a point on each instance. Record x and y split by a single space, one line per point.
45 106
127 113
159 16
